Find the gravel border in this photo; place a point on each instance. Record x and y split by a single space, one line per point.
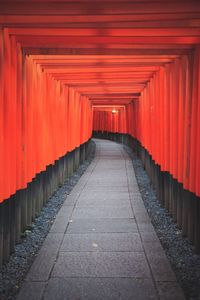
179 250
14 271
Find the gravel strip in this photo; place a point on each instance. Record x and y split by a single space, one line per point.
13 273
179 250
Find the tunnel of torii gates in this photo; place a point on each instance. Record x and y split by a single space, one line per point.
124 70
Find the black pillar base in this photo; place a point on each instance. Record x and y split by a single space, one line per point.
19 211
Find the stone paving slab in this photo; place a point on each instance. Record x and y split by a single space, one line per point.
45 259
108 186
145 227
105 189
105 195
160 266
101 264
32 291
70 201
102 202
62 220
100 289
102 212
149 237
120 242
102 244
102 226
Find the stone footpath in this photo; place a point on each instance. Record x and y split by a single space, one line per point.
102 244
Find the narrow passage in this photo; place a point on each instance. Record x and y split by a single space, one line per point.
102 244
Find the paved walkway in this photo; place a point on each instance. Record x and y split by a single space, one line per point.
102 244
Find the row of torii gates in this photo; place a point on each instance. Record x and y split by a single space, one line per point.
125 70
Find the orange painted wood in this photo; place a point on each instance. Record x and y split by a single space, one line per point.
41 119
